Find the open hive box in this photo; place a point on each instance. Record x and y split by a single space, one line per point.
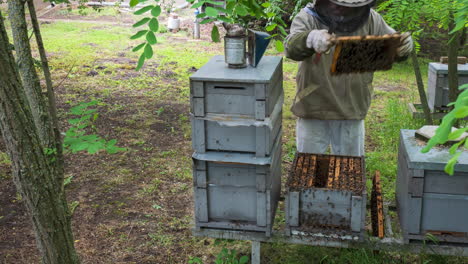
358 54
326 193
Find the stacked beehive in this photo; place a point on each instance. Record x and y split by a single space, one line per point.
236 137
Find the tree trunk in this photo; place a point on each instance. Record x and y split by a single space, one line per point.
453 46
50 89
27 71
35 173
422 92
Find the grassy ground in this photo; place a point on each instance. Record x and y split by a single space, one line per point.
136 206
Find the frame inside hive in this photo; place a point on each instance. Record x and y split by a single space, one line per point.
358 54
327 171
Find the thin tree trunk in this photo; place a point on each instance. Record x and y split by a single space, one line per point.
422 92
453 46
34 173
27 71
50 90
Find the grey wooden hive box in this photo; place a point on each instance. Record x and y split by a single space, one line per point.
224 133
428 199
249 92
437 88
236 191
313 210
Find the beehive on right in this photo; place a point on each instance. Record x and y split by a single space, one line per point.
430 201
326 193
437 88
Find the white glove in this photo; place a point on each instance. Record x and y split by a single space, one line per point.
319 40
406 45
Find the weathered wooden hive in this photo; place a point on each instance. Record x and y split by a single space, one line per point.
430 201
236 117
437 86
326 194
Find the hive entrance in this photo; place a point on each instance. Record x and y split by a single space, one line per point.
326 171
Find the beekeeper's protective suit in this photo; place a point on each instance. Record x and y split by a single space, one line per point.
331 109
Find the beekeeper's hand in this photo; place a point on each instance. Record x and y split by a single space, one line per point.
319 40
406 45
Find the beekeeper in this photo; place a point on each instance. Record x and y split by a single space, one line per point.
331 109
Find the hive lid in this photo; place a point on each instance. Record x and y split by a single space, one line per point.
443 68
435 159
216 70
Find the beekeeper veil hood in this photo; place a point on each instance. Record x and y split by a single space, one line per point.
343 15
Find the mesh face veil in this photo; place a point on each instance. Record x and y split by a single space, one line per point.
343 15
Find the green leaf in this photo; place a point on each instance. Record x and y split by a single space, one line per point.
156 11
210 11
201 15
225 19
266 4
240 10
139 47
133 3
450 167
148 51
270 15
461 112
151 38
218 3
139 34
154 25
141 61
143 10
141 22
244 260
215 34
282 30
279 46
453 149
197 5
457 133
206 21
271 27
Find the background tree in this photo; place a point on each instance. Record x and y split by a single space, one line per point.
419 17
27 127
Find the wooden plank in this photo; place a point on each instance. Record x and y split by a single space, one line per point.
293 208
305 171
197 89
198 135
201 178
336 55
201 205
416 187
312 174
261 182
356 213
414 215
260 113
260 91
198 107
261 209
331 173
262 140
336 176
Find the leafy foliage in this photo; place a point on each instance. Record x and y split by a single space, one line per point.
416 16
241 12
230 257
152 23
77 139
444 131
